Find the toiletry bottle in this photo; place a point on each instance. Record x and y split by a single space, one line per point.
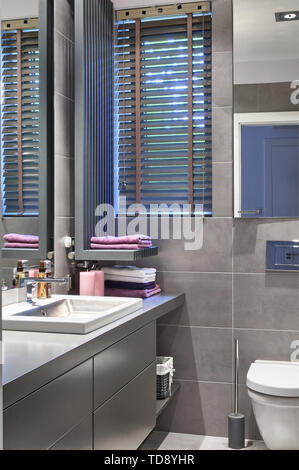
20 272
42 291
48 268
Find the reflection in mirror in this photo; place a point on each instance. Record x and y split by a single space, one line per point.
26 134
266 108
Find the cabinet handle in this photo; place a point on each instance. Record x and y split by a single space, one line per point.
257 211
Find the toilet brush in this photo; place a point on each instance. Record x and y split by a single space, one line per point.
236 421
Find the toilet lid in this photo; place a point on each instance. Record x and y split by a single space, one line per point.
279 379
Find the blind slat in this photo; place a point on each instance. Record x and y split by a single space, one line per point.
27 53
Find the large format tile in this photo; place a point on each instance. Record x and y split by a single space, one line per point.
222 124
64 18
64 186
222 189
63 227
198 408
208 298
214 256
266 301
64 65
64 126
199 353
263 97
222 79
222 26
246 98
250 237
275 97
264 345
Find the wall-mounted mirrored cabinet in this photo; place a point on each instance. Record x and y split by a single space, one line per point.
27 135
266 108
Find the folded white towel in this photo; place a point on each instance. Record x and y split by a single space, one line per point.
118 277
130 271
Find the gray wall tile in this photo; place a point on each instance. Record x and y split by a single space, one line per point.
64 227
222 189
250 238
263 345
263 97
222 124
222 79
198 408
64 64
208 298
199 353
63 18
64 126
266 301
64 186
214 256
246 98
222 25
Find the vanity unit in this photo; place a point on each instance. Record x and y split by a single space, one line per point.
94 391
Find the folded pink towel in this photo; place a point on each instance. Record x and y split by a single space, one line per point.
132 239
140 294
17 238
96 246
26 246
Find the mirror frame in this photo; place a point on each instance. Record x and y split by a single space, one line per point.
46 130
274 118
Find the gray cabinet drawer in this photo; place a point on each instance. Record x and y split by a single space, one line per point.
79 438
119 364
38 421
127 419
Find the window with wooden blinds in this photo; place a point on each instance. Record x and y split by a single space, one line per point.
164 99
20 117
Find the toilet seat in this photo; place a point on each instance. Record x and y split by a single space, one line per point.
280 379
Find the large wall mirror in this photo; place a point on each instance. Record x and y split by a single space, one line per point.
266 108
26 125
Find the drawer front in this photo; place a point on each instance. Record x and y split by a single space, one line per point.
128 418
38 421
79 438
118 365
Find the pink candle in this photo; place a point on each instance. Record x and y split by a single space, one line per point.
87 283
99 286
33 273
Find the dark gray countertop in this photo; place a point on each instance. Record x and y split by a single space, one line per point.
31 360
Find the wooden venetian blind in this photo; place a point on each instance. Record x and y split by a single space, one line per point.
164 133
20 118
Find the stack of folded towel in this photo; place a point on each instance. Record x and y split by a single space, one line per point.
133 242
130 281
15 240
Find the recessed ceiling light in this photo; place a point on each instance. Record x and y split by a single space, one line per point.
287 16
290 16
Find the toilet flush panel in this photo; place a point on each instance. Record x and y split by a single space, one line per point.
282 256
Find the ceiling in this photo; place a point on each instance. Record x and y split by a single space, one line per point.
257 35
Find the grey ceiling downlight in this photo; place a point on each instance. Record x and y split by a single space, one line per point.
287 16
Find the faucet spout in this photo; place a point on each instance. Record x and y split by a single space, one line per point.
30 283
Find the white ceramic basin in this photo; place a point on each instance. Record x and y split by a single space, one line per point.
68 314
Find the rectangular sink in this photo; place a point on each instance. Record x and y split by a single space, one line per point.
68 314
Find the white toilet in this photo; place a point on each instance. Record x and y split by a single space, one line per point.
274 391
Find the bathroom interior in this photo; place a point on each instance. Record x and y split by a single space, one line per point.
149 254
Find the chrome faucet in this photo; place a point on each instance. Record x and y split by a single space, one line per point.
30 283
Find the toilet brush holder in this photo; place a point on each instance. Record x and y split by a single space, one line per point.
236 421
